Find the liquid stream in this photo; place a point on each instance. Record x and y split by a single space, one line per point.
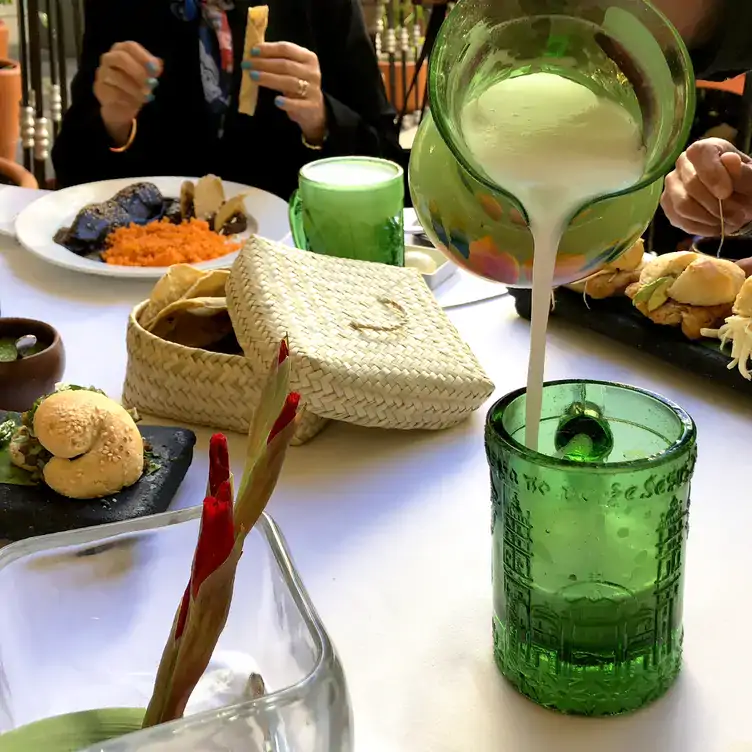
555 145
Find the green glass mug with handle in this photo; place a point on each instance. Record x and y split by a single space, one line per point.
589 540
351 207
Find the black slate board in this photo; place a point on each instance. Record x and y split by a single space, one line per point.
617 319
26 511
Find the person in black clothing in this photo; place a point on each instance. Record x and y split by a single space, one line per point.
156 93
712 170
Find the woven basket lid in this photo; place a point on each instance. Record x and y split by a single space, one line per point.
369 343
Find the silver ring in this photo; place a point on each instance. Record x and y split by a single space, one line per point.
302 88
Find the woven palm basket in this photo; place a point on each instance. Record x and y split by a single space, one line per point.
195 386
369 344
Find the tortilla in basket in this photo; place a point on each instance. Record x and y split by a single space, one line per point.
194 322
173 286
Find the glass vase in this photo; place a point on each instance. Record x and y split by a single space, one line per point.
92 612
588 554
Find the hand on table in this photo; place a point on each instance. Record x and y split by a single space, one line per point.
709 170
294 72
123 84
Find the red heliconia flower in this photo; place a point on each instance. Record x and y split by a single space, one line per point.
219 462
205 605
284 351
216 539
286 415
183 613
217 536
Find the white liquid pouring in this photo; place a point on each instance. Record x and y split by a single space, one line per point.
554 144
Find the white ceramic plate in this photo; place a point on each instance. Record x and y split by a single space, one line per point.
37 224
435 267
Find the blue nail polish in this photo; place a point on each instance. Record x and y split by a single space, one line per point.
152 67
246 65
255 75
152 83
279 101
149 98
256 51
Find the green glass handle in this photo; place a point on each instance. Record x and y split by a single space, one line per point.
295 213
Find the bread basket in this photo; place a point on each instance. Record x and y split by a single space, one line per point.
369 344
198 387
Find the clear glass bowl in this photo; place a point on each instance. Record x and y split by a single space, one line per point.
91 613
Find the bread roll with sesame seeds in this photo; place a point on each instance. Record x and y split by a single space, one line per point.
97 448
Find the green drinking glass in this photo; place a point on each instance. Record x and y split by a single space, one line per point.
351 207
589 539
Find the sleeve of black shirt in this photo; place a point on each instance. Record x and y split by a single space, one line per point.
360 118
730 51
82 149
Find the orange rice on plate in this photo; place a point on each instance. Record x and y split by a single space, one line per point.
164 244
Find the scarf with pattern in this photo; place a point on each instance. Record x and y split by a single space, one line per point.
214 49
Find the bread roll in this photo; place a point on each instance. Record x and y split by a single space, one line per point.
97 448
606 284
708 281
630 259
668 265
699 280
743 303
692 319
615 277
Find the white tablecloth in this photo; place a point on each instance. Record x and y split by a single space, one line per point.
12 201
391 534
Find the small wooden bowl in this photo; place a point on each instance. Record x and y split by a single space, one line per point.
16 174
734 248
23 381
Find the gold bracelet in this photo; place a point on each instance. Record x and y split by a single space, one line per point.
129 142
313 147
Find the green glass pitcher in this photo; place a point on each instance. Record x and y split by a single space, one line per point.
624 50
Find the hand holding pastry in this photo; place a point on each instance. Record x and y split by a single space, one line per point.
709 173
294 72
123 84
